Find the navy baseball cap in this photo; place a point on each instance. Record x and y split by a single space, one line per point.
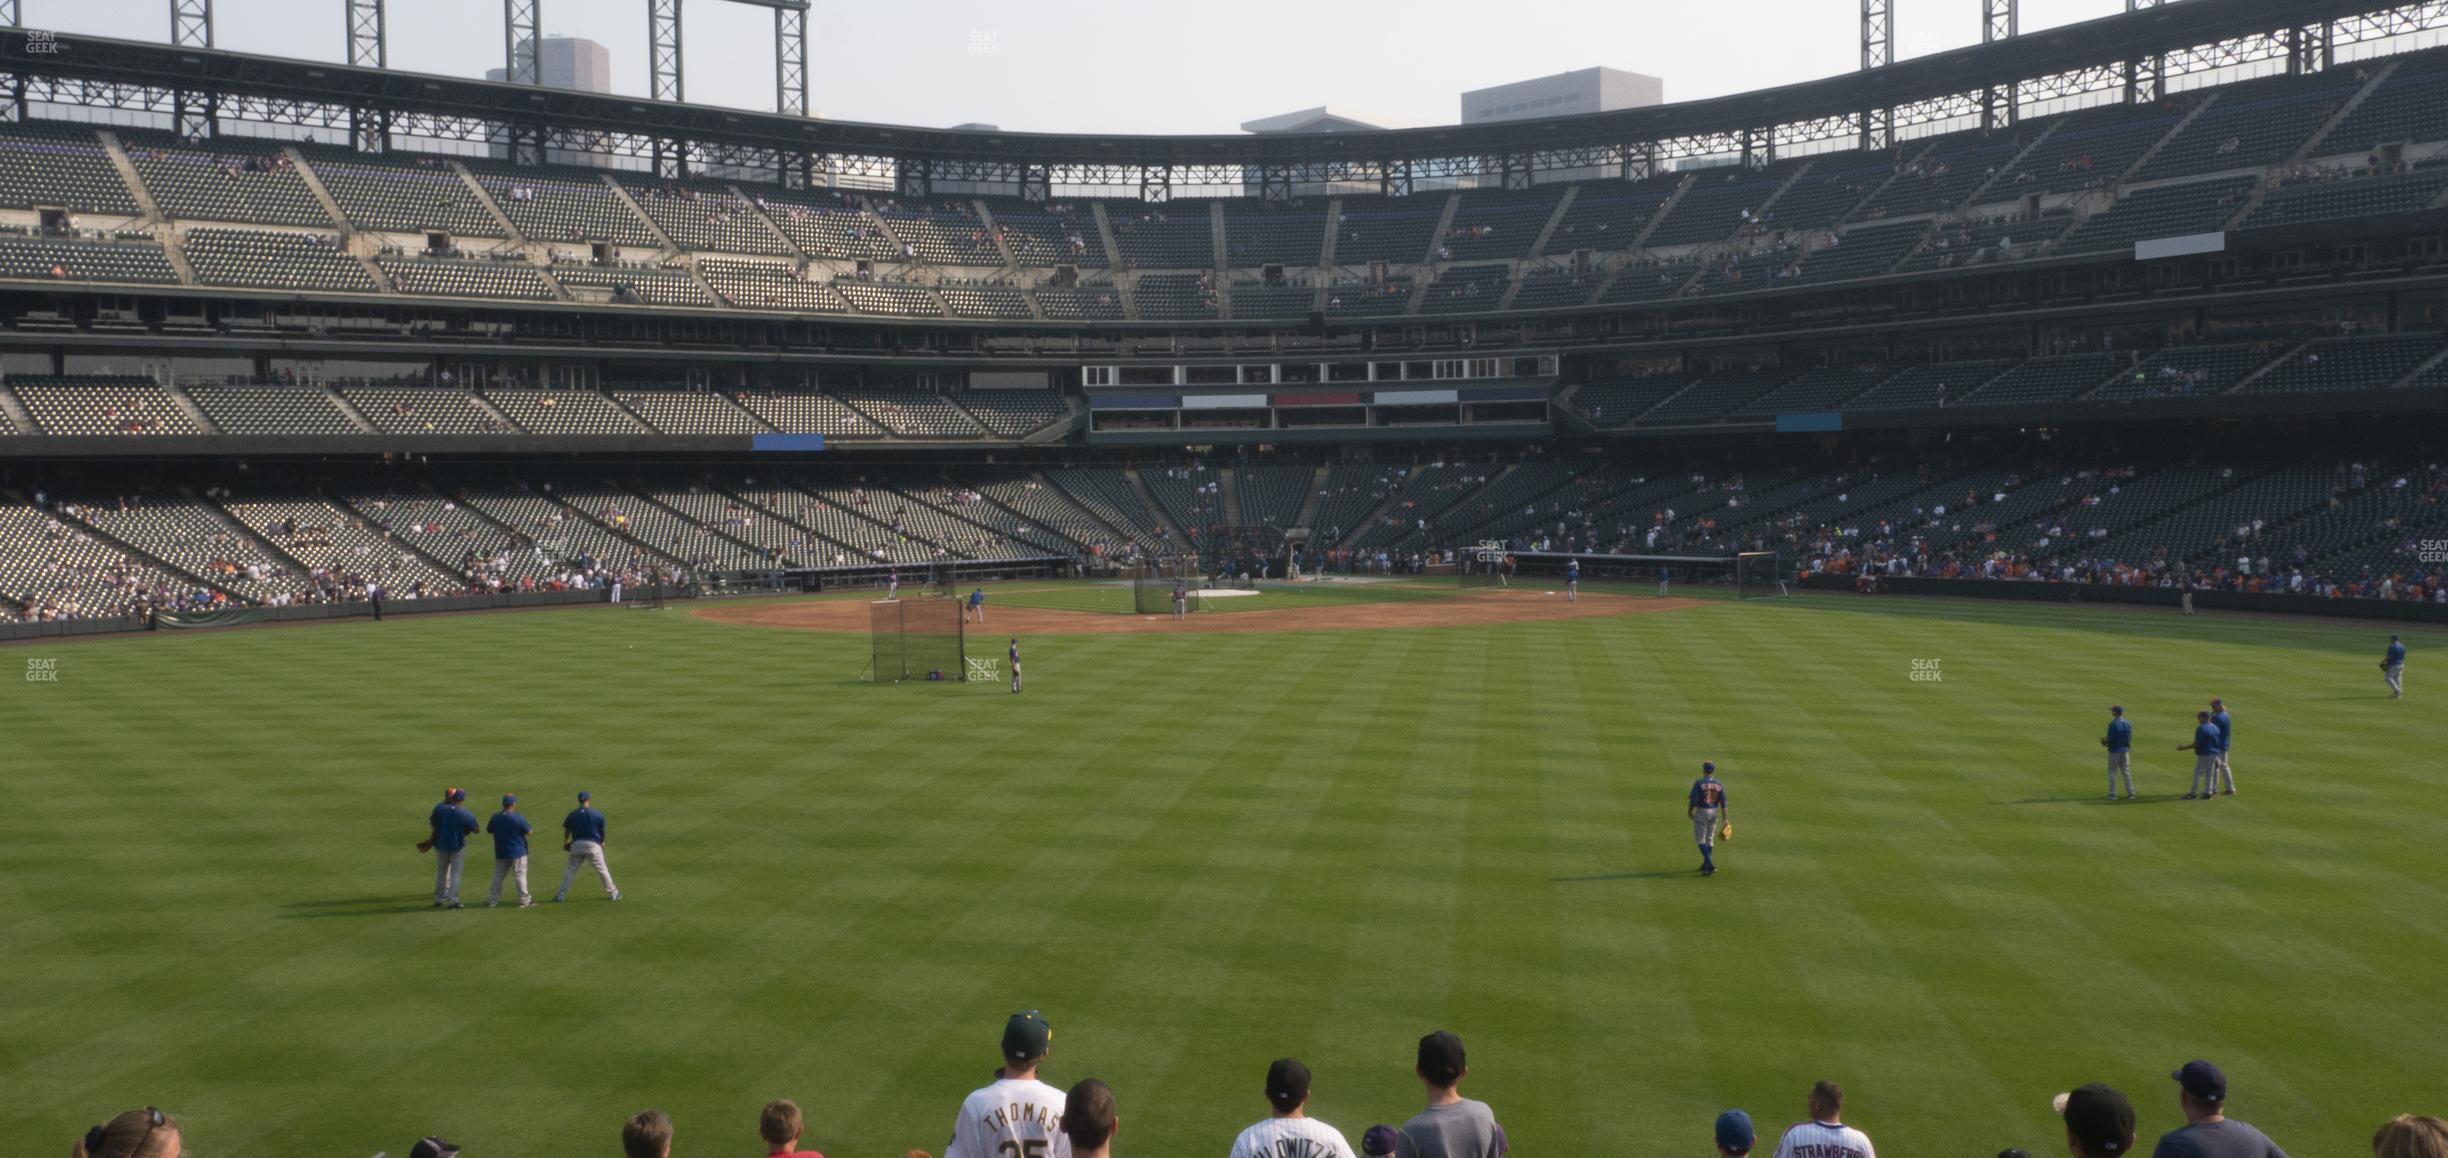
2202 1080
1287 1083
1734 1131
1026 1035
509 798
432 1148
2101 1117
582 795
2117 708
1708 765
1380 1140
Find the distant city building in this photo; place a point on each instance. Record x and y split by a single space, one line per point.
1588 90
570 62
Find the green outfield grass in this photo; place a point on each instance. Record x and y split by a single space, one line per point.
1199 852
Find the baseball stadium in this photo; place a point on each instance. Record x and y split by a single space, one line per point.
1740 609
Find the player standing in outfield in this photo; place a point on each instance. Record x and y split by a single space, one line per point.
977 604
892 583
509 831
1181 600
2226 731
2392 666
582 836
1706 805
1572 581
1017 1114
1015 662
1664 574
1504 571
1290 1132
2119 742
2205 757
452 823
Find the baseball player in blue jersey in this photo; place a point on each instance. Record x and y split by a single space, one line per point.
2205 757
582 836
977 604
452 823
1572 581
2392 666
1664 574
2226 731
2119 742
1015 662
509 831
1706 806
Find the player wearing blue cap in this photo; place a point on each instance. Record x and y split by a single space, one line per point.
582 836
1735 1137
2119 742
1705 805
2205 757
1572 581
977 604
509 831
1015 662
2392 667
2226 731
452 823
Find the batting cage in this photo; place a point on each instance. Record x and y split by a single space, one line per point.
1153 582
912 639
1482 565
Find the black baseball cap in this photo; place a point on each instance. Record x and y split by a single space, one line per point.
1441 1057
1380 1140
432 1148
2202 1080
1026 1035
2100 1118
1287 1083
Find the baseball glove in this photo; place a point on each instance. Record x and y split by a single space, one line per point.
1725 831
424 846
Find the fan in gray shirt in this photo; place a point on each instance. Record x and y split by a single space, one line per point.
2208 1132
1452 1126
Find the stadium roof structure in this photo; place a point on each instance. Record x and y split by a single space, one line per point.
2136 52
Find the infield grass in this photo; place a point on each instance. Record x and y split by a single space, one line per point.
1198 852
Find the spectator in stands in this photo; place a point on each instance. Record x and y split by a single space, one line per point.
2208 1132
145 1133
1452 1126
2099 1122
2411 1136
1825 1135
1089 1120
647 1135
780 1126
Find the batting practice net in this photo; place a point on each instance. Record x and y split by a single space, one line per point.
1482 565
1749 575
1153 582
913 637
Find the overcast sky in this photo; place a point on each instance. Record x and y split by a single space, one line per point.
1128 66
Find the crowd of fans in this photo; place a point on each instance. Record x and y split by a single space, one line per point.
1019 1113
